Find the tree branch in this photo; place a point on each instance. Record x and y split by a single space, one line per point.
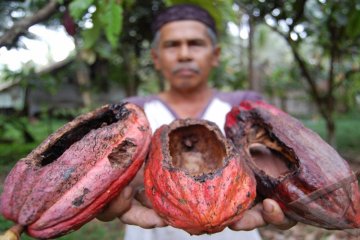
305 72
21 26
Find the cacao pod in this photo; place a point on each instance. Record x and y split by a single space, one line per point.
195 179
69 177
295 167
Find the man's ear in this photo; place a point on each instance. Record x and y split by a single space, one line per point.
216 58
155 58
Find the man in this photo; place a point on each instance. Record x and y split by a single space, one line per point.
185 51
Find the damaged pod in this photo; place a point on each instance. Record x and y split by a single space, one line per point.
194 177
295 167
68 178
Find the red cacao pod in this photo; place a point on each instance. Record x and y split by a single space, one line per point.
295 167
195 178
69 177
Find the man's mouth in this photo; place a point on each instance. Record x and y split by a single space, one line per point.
185 72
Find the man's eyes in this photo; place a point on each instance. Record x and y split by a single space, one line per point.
192 43
196 43
171 44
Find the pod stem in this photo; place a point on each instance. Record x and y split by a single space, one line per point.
13 233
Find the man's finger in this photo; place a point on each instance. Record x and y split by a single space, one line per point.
117 206
142 216
251 219
141 197
273 214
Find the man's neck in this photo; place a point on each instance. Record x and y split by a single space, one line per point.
187 104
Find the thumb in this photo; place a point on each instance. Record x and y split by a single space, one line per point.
273 214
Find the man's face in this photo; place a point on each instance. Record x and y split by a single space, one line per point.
185 54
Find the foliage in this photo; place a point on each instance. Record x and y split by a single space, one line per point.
15 10
324 26
107 17
29 77
281 80
11 136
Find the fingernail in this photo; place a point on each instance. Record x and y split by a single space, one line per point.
268 208
127 192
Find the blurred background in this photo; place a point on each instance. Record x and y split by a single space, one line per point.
61 58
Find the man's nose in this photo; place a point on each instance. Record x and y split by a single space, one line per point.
184 53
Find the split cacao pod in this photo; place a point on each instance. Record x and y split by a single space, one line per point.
69 177
195 179
295 167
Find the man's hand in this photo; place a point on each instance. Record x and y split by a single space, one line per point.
267 212
130 211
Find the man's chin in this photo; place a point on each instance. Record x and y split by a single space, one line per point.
187 88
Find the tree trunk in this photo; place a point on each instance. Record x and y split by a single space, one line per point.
26 107
325 105
131 66
254 78
83 77
83 80
330 130
283 101
252 84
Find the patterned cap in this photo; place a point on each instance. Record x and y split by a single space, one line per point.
183 12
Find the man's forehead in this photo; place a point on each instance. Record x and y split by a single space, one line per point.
184 29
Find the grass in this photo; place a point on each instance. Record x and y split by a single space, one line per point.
347 132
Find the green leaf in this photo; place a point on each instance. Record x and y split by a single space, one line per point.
128 3
111 19
91 35
78 7
169 2
353 27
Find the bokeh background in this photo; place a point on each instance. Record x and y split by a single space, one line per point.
61 58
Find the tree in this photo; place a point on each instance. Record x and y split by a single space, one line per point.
19 27
332 27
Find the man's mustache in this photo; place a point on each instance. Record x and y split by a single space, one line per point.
186 66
